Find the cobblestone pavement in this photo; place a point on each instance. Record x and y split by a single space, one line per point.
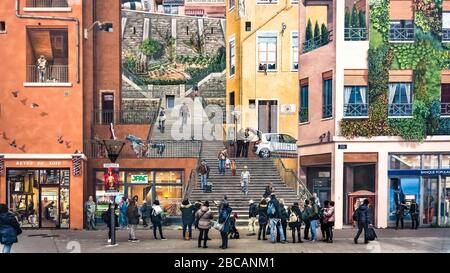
409 241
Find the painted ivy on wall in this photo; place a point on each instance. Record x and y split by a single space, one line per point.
427 56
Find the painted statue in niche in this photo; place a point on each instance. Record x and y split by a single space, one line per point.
241 8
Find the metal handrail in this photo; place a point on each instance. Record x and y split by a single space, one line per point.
144 116
400 109
291 179
446 34
47 4
445 109
317 42
193 176
356 109
355 34
401 34
155 117
51 74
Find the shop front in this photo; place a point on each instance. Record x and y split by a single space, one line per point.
425 179
165 185
44 193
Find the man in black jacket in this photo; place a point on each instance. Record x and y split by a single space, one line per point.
274 213
363 216
414 211
252 213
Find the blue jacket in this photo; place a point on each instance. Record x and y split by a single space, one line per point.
9 228
187 214
364 214
224 217
276 205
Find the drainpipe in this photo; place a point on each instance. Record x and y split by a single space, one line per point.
71 19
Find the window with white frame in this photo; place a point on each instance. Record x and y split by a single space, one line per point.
231 4
294 51
267 51
400 99
232 59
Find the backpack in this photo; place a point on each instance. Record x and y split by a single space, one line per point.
356 214
270 209
293 217
314 212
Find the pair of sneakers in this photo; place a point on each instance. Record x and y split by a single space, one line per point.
133 240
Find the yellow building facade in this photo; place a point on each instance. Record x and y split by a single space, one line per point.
262 66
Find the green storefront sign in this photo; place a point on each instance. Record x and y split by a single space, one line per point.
139 179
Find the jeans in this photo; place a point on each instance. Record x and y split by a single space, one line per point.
7 248
159 226
123 221
222 166
203 181
252 225
203 236
314 230
245 187
224 236
273 226
399 219
41 73
284 227
189 228
299 235
415 220
307 228
329 230
131 232
90 221
362 225
262 229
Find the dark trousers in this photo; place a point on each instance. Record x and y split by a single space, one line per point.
245 149
144 222
307 228
189 228
284 227
399 219
159 226
224 236
323 229
109 232
329 230
262 229
299 235
362 225
239 146
415 220
203 236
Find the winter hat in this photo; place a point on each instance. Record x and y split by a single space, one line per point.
250 202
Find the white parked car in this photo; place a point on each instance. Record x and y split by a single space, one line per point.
270 143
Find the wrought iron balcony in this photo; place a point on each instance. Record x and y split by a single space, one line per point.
327 111
317 42
445 109
303 114
400 110
446 35
356 110
401 34
355 34
47 4
51 74
147 149
144 116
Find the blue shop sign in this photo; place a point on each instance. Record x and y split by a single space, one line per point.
173 3
420 172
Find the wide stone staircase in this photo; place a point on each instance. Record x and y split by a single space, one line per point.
262 172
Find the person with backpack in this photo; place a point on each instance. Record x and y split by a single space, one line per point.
224 219
313 218
234 233
262 218
329 221
414 211
156 216
252 213
322 221
305 217
203 171
400 215
295 221
222 157
283 219
145 213
363 216
9 228
274 214
203 223
133 220
187 218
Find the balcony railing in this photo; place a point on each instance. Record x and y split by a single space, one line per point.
445 109
303 114
327 111
400 110
145 116
51 74
356 110
355 34
401 34
47 4
317 42
148 149
446 35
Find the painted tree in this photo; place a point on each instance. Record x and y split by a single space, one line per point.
325 34
316 30
149 47
347 18
355 18
308 32
362 19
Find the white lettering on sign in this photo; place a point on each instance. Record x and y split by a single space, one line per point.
37 163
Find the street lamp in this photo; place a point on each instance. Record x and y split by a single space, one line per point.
101 26
113 148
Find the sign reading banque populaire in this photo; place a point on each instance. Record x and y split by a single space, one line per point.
420 172
139 179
